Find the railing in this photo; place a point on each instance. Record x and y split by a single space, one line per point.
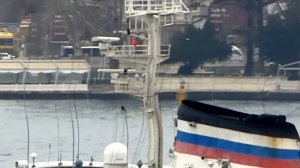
137 7
137 51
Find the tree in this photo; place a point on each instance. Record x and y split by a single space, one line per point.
282 35
255 30
193 47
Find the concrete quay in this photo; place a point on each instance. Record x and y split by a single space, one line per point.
222 88
229 84
231 88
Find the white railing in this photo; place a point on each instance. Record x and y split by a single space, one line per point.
135 51
138 7
44 87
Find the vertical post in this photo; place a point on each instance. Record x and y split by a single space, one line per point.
88 77
155 149
24 76
56 76
181 94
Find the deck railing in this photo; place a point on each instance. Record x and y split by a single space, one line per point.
135 51
137 7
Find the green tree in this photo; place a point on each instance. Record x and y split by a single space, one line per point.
193 47
255 30
282 35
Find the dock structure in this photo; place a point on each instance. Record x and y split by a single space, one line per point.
229 84
57 78
44 75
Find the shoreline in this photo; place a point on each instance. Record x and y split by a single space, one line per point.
193 95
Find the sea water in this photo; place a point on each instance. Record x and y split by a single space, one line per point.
54 125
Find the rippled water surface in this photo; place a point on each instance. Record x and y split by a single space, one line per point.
100 122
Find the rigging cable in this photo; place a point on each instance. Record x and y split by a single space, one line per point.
143 140
26 115
126 123
58 136
76 114
72 122
139 141
73 134
69 4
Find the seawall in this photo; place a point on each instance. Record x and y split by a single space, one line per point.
197 88
199 95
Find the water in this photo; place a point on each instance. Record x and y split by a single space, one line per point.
101 122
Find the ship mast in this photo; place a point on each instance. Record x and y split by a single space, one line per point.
149 16
150 98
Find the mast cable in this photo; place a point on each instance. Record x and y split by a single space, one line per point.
26 116
75 110
126 124
139 141
58 135
72 122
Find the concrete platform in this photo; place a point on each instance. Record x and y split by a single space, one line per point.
197 88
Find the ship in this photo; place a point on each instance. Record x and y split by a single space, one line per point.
207 136
225 138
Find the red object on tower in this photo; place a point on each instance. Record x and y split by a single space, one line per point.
134 42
